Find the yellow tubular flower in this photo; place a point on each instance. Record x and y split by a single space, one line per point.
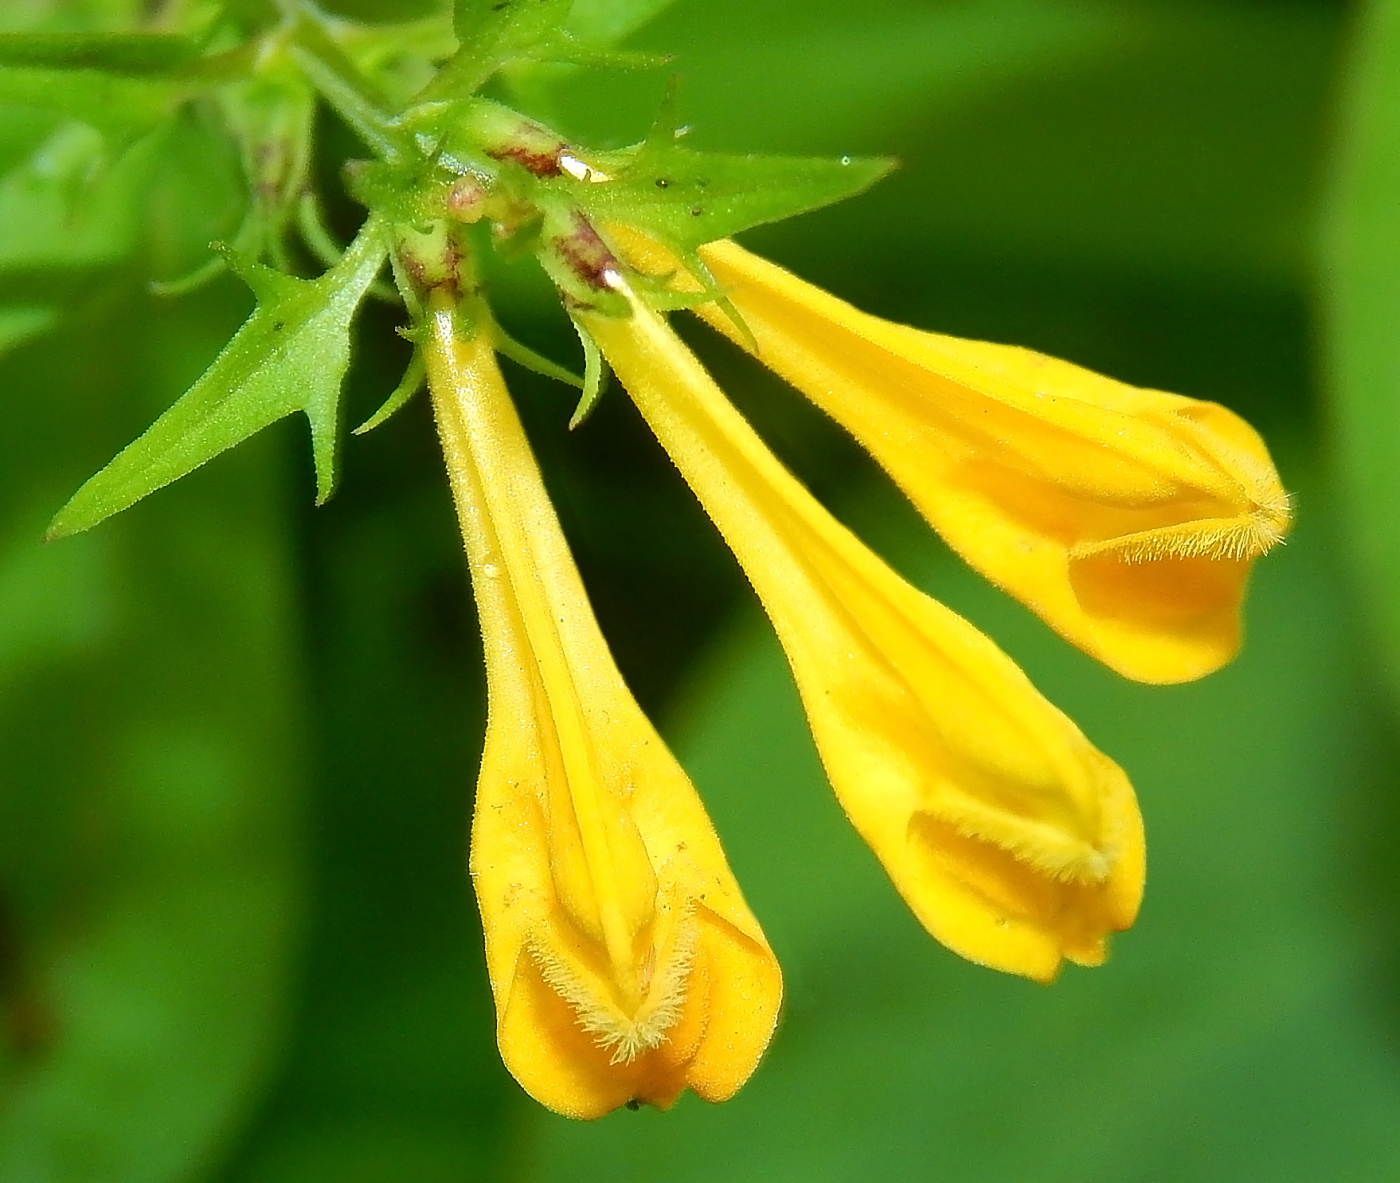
1125 518
624 962
1014 840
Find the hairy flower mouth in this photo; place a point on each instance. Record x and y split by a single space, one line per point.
626 1027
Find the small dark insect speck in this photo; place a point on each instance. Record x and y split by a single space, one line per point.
634 1104
278 326
696 210
662 182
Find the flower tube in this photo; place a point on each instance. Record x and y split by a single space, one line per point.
623 960
1014 841
1125 518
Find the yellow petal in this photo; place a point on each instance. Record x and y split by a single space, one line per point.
624 962
1014 841
1126 518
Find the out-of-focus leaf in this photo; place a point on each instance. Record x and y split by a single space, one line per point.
270 115
67 207
118 104
21 133
198 195
1224 1039
19 323
491 33
392 1072
379 12
756 78
522 36
148 819
291 355
67 213
603 22
1161 138
1363 316
400 57
591 28
108 53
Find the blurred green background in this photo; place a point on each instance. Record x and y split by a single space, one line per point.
238 735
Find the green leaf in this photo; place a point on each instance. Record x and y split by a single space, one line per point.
686 198
109 53
1363 316
291 355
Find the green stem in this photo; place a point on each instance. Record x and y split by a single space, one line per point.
350 94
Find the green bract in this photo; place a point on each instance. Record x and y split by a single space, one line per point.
687 198
455 175
290 356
